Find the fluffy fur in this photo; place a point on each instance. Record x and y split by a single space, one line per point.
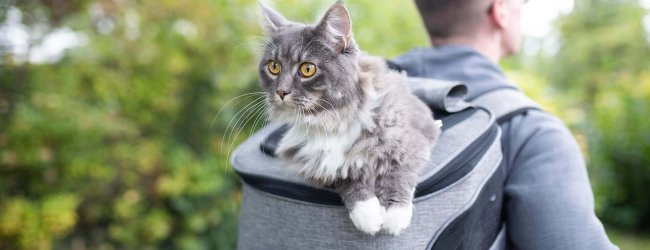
355 125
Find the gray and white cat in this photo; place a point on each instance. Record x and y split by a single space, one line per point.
355 126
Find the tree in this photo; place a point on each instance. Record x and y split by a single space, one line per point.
602 69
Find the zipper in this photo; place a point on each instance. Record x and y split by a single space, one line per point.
452 172
460 166
292 190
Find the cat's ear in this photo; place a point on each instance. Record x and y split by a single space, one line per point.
336 24
272 19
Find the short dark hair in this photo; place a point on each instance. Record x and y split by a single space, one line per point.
452 18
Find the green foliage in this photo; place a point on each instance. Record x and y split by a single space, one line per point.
602 69
629 241
114 146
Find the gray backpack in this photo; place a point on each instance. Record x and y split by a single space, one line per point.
458 200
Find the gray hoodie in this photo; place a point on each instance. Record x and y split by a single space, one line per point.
548 199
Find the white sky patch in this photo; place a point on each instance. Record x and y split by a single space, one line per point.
537 16
54 45
645 4
13 33
16 37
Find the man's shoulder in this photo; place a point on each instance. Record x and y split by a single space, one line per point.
517 113
535 121
537 134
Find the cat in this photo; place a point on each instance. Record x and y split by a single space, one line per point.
355 126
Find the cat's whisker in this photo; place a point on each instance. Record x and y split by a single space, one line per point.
231 100
333 109
318 114
258 38
249 114
229 132
230 129
255 113
262 114
310 108
319 127
272 44
263 41
315 126
269 112
297 120
260 107
319 119
238 100
327 131
307 122
257 43
322 125
232 142
237 118
337 116
303 117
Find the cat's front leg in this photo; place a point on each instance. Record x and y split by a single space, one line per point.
395 191
362 204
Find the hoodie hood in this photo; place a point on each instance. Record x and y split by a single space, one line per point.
455 63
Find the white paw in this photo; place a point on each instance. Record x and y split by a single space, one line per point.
367 215
397 218
438 123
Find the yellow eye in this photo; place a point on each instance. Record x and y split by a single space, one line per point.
307 69
274 67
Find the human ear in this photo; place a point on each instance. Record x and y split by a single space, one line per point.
499 14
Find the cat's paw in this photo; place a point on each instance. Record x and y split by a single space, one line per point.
367 215
397 218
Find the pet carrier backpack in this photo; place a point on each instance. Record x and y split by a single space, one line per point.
458 199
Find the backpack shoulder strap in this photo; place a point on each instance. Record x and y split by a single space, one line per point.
505 103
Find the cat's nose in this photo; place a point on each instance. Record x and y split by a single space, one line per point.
282 93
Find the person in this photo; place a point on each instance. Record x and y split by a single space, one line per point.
548 200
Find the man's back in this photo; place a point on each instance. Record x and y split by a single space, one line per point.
548 201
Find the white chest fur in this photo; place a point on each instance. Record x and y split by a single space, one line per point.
324 141
325 152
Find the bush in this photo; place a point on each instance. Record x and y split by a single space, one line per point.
111 146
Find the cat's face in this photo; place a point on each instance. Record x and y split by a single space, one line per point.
306 69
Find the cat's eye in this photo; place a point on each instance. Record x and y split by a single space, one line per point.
307 69
274 67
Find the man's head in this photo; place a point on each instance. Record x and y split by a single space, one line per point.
474 21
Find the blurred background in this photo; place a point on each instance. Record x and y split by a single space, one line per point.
110 138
